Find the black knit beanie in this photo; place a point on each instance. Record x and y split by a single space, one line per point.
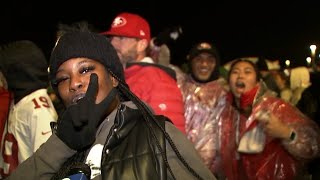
86 45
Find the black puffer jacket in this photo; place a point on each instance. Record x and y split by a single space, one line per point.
128 155
130 149
130 152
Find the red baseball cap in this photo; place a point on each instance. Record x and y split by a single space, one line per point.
129 25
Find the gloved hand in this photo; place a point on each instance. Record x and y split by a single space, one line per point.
167 35
78 125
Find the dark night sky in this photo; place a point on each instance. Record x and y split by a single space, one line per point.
274 30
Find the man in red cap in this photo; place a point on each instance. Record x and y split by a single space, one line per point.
155 84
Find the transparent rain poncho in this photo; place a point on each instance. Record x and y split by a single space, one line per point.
206 107
234 146
264 157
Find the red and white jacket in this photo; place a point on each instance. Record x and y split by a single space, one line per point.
26 129
153 84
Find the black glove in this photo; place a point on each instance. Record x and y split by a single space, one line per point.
78 124
167 35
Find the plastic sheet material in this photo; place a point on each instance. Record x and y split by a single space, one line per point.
206 107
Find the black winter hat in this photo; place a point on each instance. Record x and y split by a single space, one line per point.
203 47
85 44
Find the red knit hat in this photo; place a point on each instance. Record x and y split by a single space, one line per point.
129 25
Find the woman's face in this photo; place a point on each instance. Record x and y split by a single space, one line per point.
73 77
243 78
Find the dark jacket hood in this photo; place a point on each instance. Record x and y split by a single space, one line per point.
25 68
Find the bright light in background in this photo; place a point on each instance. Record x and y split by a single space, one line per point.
287 62
313 56
308 59
313 49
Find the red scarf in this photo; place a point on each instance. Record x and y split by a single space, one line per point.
246 99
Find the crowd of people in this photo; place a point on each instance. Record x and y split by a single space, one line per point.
121 114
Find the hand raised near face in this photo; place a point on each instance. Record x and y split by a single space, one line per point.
78 124
272 125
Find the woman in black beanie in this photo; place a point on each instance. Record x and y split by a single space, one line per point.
106 132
